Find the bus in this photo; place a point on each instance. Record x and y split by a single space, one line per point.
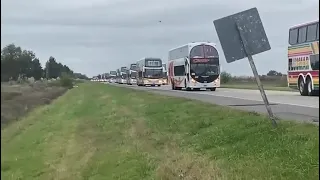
113 75
149 71
165 75
132 74
303 58
122 75
194 66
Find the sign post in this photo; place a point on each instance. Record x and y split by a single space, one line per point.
242 35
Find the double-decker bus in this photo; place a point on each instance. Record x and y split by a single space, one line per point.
165 75
303 58
113 75
150 72
194 66
132 74
122 75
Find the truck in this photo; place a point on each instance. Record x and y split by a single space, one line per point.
150 71
194 66
132 74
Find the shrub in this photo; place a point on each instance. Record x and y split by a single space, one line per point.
225 77
66 81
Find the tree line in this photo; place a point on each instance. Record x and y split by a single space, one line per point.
19 63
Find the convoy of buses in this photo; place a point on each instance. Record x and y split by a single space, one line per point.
196 65
192 66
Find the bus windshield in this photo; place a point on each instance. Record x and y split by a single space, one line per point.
133 75
204 69
204 61
124 76
153 73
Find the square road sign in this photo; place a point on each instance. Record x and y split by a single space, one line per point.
248 23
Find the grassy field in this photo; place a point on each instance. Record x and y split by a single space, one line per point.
98 131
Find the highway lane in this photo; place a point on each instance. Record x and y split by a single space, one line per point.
285 105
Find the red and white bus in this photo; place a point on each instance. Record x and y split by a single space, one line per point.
194 66
303 58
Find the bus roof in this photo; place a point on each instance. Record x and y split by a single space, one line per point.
304 24
194 44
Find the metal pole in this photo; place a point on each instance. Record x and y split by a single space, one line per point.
256 75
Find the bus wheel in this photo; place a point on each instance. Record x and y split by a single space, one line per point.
213 89
188 89
311 92
303 89
172 86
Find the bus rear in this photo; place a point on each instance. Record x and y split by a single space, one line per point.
303 58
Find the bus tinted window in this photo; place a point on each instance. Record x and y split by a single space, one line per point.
179 70
210 51
312 32
302 34
314 61
197 52
293 36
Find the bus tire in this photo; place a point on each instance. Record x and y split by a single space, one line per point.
303 89
213 89
310 91
172 85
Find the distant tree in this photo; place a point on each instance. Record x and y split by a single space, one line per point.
274 73
17 63
80 76
225 77
37 71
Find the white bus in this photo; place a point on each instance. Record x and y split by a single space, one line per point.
113 75
132 74
122 75
165 75
194 66
150 72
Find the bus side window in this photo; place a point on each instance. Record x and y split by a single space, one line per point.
312 32
302 35
293 36
179 70
314 61
290 64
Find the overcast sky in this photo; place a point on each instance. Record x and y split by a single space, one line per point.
96 36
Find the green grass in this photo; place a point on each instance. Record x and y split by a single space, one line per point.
254 86
98 131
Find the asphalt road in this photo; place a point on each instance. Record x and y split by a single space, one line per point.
285 105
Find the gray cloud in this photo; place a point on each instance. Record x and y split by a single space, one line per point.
100 35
